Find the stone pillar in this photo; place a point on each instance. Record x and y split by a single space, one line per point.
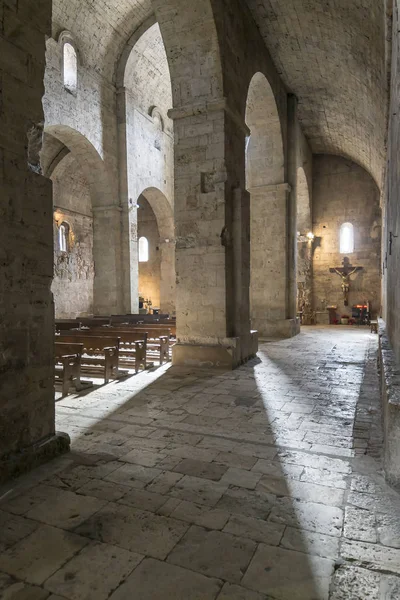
269 261
208 215
107 260
167 283
304 278
129 280
292 164
27 423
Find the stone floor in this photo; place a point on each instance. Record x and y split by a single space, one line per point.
263 483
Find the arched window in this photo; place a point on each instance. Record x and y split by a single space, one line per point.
63 237
143 249
70 68
346 238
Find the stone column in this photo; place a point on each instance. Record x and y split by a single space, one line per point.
304 278
269 261
107 260
167 283
27 408
292 164
207 224
129 280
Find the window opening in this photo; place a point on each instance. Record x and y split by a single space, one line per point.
70 66
346 238
143 249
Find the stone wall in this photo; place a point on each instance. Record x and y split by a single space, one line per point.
150 271
391 252
26 310
86 124
72 285
344 192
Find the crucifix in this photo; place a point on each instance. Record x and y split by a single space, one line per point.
345 271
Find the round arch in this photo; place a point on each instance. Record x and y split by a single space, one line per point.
89 160
265 163
265 172
163 212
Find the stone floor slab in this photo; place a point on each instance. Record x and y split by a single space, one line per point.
198 468
195 489
213 553
230 591
94 573
39 555
66 509
155 580
286 574
135 530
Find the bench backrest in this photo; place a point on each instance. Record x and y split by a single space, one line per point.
67 325
64 349
137 330
125 335
138 318
91 343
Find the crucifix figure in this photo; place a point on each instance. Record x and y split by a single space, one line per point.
345 271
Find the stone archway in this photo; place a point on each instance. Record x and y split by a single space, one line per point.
268 208
62 142
165 244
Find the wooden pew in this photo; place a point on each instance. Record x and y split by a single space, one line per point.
164 327
100 353
67 324
137 318
132 346
157 338
67 358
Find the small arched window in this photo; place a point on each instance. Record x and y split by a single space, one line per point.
70 68
63 237
143 249
346 238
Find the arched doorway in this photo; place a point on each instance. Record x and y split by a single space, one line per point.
268 209
157 271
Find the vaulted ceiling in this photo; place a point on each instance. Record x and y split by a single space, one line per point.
332 55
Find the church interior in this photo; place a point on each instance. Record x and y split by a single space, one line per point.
200 300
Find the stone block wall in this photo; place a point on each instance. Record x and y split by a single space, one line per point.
26 309
72 285
344 192
391 251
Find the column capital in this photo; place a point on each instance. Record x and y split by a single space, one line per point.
191 110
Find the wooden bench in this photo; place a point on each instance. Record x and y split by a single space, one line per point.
67 324
67 358
138 318
157 338
132 346
100 353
